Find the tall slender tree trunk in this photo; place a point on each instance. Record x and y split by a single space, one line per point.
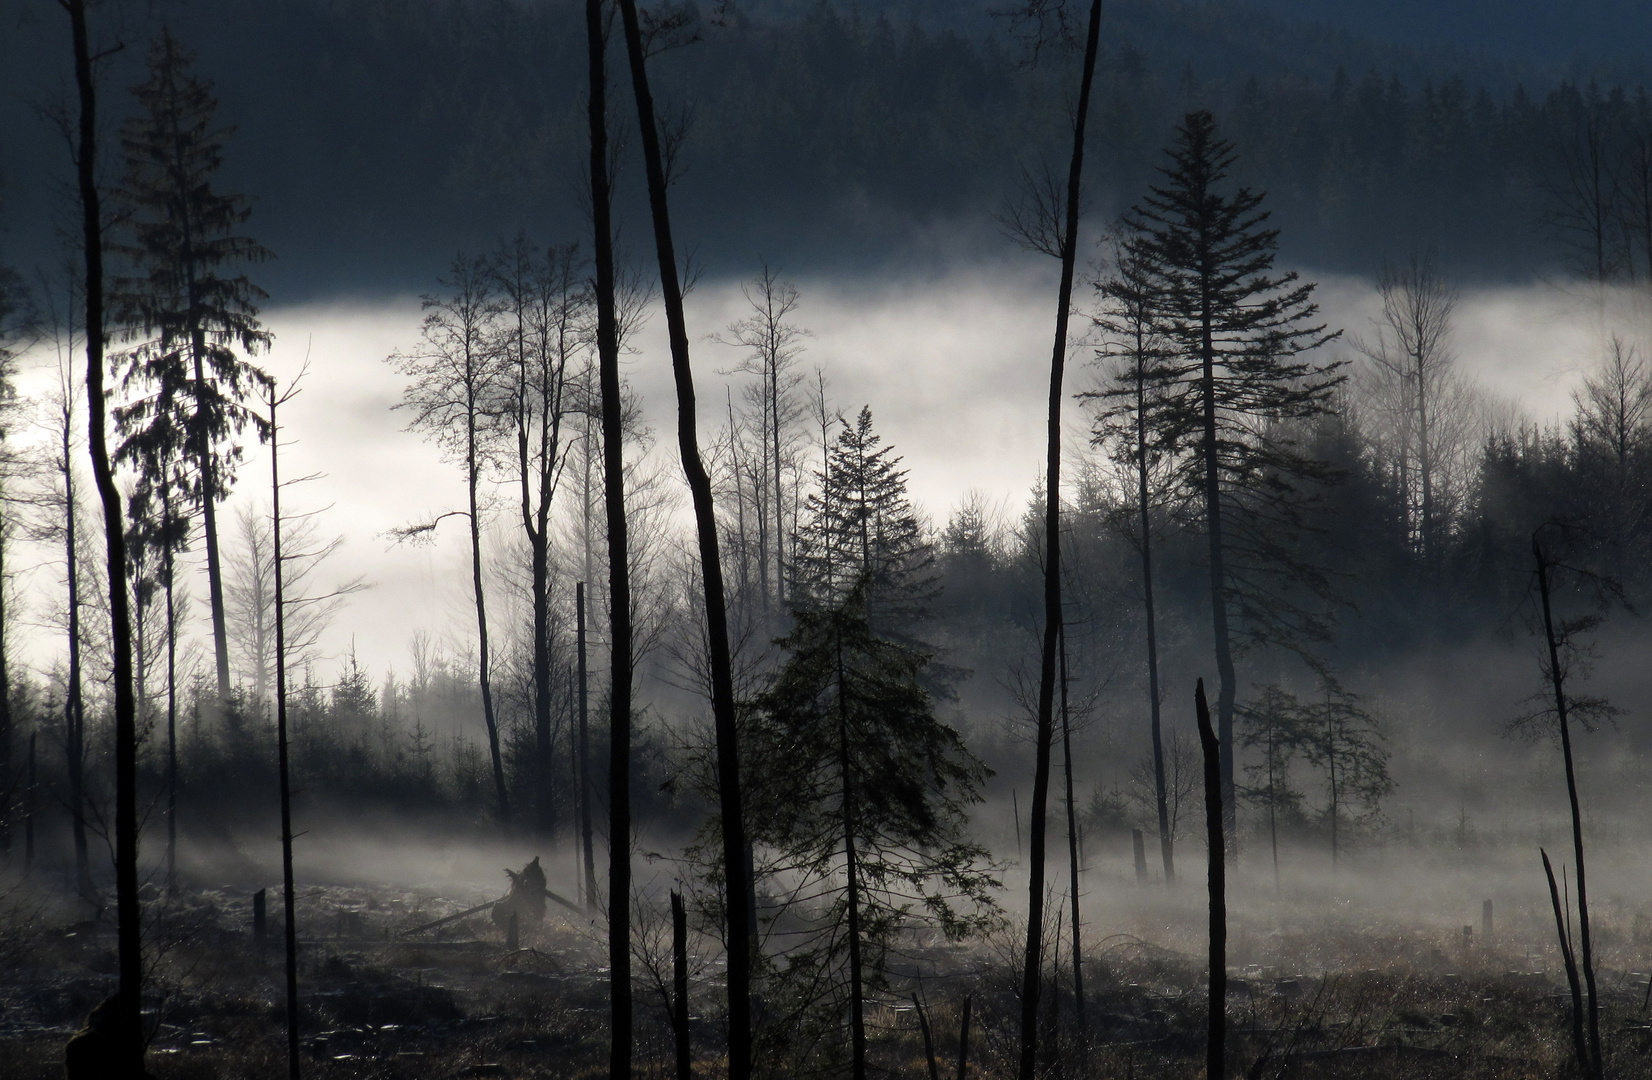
1072 834
290 918
1331 760
1557 681
74 704
209 534
1227 687
171 699
585 754
1031 980
544 770
1167 846
619 566
1425 463
779 495
484 677
1215 823
127 912
851 872
711 569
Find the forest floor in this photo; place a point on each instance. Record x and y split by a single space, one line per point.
1322 1000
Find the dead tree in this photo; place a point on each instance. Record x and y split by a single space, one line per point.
1568 958
454 378
1031 980
1556 673
619 565
1072 833
1215 815
711 575
290 922
127 912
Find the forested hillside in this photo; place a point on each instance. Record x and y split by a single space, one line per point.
380 137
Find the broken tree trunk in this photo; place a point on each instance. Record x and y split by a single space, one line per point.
1216 1045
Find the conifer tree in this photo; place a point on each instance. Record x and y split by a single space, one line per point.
1240 330
188 315
873 808
860 532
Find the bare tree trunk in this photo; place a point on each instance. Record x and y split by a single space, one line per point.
171 700
1557 680
1167 848
290 919
1564 932
1072 835
711 570
1031 980
679 986
619 565
585 754
127 912
472 467
74 704
1215 819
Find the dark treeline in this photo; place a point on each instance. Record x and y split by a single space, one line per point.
383 136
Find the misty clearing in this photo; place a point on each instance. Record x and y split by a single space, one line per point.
1049 539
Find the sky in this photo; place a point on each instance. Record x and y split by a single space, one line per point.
954 365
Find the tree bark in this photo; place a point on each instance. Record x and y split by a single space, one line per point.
290 919
619 566
1557 680
711 569
585 830
127 912
1072 835
1167 847
679 986
472 468
1215 820
1031 980
74 706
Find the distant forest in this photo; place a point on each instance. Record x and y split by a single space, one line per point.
378 137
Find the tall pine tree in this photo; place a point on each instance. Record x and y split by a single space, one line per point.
1242 386
194 323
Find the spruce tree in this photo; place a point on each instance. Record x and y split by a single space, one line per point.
193 322
860 532
865 793
1240 330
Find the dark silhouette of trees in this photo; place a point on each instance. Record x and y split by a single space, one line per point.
129 944
1134 421
772 343
1216 816
1566 656
288 896
1345 740
1411 353
454 379
1240 330
859 532
542 329
871 810
1053 229
187 314
732 819
613 487
1273 724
